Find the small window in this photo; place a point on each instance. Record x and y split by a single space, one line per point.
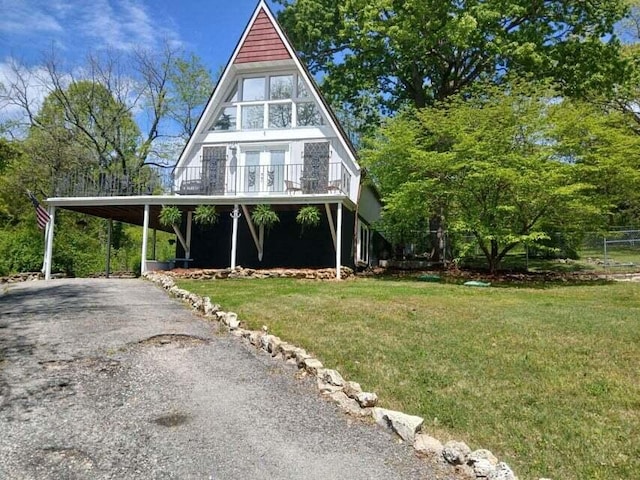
252 117
302 89
308 115
281 87
364 239
226 120
280 115
253 89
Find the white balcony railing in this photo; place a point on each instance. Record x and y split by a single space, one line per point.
211 180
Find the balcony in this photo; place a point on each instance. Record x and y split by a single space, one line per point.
215 179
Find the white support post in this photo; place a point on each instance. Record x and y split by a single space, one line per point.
145 239
46 240
107 267
234 235
338 240
49 247
187 253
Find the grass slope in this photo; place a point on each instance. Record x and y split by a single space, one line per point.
546 378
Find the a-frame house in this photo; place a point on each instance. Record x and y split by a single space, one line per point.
265 137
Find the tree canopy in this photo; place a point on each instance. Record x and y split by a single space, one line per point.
501 166
378 55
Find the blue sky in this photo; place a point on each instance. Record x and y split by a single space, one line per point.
208 28
29 29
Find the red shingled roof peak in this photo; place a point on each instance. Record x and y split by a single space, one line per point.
262 43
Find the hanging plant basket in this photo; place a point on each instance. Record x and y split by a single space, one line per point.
308 216
170 215
205 215
264 216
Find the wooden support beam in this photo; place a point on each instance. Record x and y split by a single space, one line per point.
182 241
332 227
252 229
187 250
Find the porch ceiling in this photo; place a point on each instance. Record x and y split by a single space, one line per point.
133 213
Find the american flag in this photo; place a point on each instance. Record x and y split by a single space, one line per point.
42 217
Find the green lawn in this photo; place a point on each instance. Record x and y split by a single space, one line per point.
546 378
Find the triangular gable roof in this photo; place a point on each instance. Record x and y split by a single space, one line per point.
258 44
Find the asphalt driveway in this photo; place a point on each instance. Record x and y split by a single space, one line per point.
113 379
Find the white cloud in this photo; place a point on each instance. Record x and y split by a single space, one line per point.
73 24
29 17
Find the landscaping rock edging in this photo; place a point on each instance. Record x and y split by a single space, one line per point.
239 272
22 277
479 464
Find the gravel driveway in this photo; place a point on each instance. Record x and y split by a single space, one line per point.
113 379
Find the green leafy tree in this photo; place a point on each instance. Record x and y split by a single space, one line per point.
378 55
499 165
192 85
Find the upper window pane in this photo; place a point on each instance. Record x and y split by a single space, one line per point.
280 87
302 89
280 115
253 89
252 117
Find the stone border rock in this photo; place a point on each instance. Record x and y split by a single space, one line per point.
349 396
22 277
239 272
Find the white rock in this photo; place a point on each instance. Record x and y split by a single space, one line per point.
233 324
255 338
349 405
427 445
482 468
331 376
502 472
367 399
264 342
325 387
301 356
482 454
456 453
312 365
288 350
352 389
406 426
230 317
274 345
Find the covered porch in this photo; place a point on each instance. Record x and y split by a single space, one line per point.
241 238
